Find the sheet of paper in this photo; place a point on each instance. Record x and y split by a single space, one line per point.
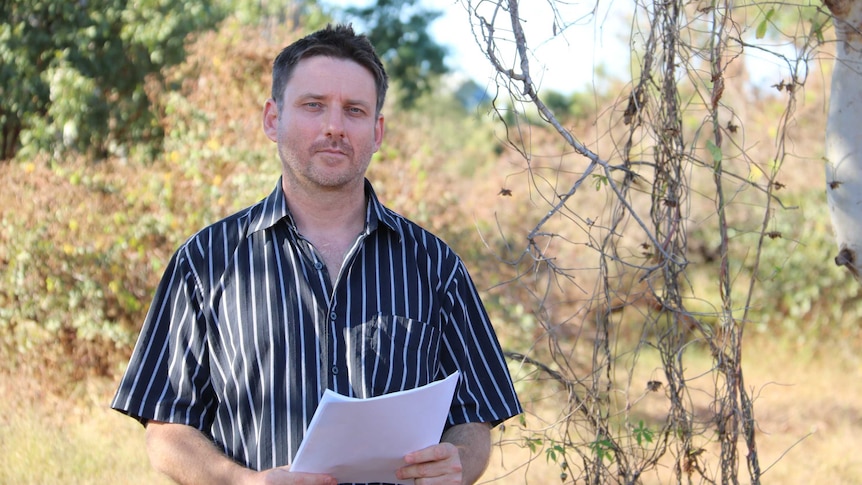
365 440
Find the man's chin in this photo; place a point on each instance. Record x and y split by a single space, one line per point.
336 183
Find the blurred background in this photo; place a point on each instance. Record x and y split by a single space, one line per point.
128 126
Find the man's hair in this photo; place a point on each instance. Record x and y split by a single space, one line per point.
340 42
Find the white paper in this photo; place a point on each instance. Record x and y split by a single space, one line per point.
365 440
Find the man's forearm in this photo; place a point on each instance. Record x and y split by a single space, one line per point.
185 455
473 441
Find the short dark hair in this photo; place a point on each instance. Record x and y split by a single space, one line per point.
340 42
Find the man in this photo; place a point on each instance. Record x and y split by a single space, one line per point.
317 286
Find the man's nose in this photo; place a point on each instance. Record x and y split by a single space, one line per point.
335 123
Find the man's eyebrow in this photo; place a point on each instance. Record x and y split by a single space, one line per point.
307 96
321 97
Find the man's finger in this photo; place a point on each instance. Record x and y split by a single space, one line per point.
438 461
438 452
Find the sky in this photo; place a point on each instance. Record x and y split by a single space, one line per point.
564 63
586 42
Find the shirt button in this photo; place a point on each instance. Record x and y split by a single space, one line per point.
318 265
334 370
333 316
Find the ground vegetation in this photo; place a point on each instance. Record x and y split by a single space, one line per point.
83 241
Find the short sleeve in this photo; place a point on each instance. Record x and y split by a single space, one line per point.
486 392
168 375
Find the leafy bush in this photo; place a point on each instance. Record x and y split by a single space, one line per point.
74 74
85 245
805 298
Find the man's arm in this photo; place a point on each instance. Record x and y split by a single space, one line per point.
473 441
186 456
460 458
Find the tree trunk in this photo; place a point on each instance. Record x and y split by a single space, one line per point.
844 135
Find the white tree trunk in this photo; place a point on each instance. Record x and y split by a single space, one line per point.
844 135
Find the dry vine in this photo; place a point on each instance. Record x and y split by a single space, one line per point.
644 300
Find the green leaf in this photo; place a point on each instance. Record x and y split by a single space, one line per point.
553 452
762 26
643 434
599 181
602 448
761 29
714 150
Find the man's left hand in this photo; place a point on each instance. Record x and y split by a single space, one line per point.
436 465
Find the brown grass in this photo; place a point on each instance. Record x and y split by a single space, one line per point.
808 408
47 438
809 420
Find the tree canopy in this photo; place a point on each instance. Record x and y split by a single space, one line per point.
398 29
74 74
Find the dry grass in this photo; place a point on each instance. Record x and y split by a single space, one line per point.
46 438
808 407
809 419
809 412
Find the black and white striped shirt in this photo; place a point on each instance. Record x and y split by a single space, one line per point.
246 331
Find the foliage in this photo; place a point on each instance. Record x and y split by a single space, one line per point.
84 246
776 22
471 95
794 308
674 248
578 105
82 253
74 75
275 12
398 29
71 277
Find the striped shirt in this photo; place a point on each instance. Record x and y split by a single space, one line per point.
246 331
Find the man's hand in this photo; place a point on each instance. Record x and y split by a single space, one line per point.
438 465
282 476
459 459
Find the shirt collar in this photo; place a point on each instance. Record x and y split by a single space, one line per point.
269 211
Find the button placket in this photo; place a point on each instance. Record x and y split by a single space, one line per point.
333 317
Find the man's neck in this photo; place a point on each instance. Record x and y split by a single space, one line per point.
327 212
330 220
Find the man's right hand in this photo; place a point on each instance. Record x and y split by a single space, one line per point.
283 476
185 455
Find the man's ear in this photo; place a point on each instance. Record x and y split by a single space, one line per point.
379 129
270 119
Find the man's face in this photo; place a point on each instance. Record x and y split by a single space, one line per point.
328 127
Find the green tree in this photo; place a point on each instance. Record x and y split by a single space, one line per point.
73 73
471 94
399 31
308 15
558 103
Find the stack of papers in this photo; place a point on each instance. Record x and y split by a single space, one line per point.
365 440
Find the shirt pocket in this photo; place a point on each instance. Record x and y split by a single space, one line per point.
391 353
